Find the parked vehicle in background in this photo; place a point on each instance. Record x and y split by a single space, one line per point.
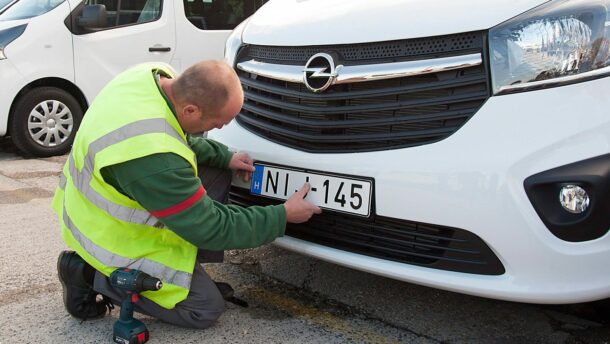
463 145
55 55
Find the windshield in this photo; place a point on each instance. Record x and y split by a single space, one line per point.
4 3
28 8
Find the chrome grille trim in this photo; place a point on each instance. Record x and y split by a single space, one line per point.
363 73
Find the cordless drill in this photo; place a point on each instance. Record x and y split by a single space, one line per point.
128 330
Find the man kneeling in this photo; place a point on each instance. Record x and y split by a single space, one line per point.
139 191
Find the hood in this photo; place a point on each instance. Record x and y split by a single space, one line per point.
319 22
12 23
15 22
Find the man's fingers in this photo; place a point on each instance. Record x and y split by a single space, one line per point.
244 175
304 190
242 161
317 210
247 166
246 158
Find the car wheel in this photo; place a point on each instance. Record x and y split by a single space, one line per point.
44 121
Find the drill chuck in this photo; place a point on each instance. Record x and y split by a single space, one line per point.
151 283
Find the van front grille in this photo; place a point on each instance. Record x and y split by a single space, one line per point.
365 116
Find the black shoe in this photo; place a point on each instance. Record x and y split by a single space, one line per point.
227 294
76 277
225 290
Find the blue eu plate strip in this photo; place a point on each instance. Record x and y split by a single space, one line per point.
257 180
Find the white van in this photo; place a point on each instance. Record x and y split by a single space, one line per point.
55 55
459 144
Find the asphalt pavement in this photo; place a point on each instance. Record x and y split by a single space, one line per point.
292 298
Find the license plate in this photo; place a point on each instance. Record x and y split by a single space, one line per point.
334 192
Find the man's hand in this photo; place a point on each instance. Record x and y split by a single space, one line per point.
243 165
299 210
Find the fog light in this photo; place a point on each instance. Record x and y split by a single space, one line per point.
574 199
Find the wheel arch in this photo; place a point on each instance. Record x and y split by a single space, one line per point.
63 84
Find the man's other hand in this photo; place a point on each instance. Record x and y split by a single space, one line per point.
298 210
243 165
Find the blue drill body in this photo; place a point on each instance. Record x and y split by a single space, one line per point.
128 330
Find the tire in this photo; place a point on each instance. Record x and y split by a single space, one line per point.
44 122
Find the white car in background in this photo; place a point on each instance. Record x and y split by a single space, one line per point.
56 55
463 145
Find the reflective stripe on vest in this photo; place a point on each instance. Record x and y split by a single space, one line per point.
167 274
82 179
62 181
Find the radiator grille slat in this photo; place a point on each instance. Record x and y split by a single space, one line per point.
358 105
293 91
357 120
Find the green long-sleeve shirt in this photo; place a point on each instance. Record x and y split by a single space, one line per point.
161 181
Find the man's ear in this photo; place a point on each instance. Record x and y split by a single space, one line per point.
191 111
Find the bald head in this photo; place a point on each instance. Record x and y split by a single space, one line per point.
207 95
207 84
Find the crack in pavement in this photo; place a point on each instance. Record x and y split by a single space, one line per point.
306 285
305 288
23 195
267 293
309 277
18 295
60 159
30 175
317 316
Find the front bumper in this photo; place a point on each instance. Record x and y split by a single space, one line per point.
474 180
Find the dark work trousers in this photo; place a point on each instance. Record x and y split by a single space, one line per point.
204 304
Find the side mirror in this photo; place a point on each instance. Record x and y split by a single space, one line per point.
92 17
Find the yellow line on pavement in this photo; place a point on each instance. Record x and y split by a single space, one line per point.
316 316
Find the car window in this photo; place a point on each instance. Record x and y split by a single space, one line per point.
219 14
127 12
25 9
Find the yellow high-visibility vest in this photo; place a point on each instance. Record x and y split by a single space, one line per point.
129 119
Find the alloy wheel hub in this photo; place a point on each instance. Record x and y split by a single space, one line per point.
50 123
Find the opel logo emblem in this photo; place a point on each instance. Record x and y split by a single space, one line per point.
320 72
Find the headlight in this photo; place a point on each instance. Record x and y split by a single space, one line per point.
9 35
560 42
234 42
